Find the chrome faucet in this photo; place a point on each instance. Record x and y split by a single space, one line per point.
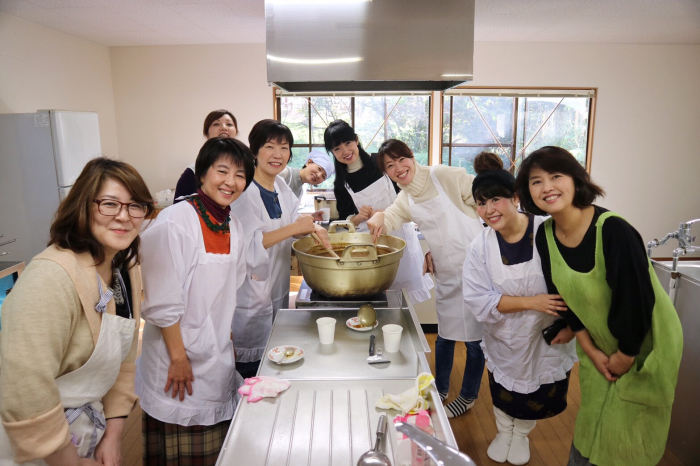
685 239
682 235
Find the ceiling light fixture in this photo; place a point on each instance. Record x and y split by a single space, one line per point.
322 61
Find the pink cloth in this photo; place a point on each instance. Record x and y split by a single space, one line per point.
257 388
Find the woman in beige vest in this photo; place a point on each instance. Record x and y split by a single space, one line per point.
70 327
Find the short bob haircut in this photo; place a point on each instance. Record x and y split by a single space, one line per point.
72 225
393 149
270 130
487 161
554 159
217 148
215 115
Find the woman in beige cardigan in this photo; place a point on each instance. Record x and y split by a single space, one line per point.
70 327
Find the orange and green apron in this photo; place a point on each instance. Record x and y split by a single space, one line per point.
623 423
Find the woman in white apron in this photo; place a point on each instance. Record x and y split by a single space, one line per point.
439 200
70 327
362 189
218 124
193 264
504 288
268 213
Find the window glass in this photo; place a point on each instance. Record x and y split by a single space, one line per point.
407 119
541 121
324 110
295 114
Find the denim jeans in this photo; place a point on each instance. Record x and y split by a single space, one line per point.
473 370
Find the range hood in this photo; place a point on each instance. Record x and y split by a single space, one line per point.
369 45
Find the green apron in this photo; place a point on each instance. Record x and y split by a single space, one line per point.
625 422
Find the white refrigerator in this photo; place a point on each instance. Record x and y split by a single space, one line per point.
41 156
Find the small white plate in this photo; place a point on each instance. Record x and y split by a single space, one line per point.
354 323
298 354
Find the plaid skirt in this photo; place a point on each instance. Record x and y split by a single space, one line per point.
547 401
174 445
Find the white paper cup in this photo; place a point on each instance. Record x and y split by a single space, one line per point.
326 330
392 337
326 212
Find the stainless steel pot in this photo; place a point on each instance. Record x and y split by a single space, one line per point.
362 269
321 202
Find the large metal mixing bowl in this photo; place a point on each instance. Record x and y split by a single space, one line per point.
362 269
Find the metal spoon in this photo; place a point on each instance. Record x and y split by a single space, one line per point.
374 457
367 315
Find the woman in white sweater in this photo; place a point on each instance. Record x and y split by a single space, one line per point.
439 200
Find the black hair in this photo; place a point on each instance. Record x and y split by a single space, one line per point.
394 149
554 159
337 133
230 148
485 193
269 130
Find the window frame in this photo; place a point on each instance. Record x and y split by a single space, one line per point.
278 93
516 92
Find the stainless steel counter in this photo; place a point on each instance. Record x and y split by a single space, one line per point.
346 357
327 416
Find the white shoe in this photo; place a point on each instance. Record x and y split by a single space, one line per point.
519 452
498 450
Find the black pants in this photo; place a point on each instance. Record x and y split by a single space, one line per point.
248 369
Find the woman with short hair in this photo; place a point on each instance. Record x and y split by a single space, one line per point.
217 124
629 336
268 212
193 264
70 327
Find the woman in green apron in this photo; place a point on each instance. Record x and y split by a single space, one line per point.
629 335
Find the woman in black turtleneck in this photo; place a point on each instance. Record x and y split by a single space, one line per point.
362 189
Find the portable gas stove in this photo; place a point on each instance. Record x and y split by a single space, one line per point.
308 298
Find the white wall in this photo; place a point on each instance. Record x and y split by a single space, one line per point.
647 128
45 69
163 94
646 148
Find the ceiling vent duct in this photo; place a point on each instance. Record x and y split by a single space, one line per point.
369 45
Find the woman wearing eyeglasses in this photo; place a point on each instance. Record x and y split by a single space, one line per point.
193 264
70 327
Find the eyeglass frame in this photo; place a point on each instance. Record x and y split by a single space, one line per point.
121 207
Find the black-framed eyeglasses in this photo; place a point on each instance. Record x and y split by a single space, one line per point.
112 208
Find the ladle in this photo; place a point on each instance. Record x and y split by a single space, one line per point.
374 457
367 315
328 250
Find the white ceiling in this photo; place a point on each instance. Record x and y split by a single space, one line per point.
170 22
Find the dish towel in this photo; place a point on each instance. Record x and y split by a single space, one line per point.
257 388
412 400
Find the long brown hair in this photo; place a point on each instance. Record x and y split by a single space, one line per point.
71 228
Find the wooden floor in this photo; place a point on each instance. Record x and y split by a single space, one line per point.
549 441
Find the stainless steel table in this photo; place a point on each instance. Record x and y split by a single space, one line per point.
327 416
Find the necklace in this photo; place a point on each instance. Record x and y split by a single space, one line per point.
202 211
